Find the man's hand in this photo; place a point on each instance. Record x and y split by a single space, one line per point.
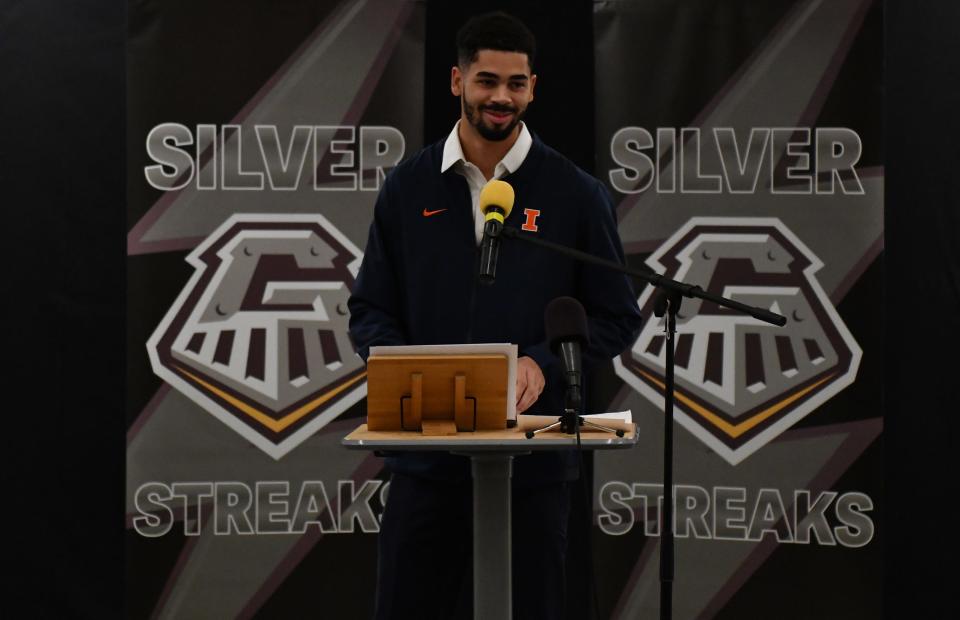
530 383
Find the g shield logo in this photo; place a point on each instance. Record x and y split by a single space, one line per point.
258 337
741 382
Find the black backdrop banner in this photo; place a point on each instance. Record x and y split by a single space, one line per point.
742 144
258 137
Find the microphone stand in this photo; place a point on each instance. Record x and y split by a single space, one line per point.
571 421
651 277
668 303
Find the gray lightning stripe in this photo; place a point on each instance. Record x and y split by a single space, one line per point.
225 576
330 82
783 85
806 459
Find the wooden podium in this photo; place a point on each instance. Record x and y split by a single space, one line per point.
491 454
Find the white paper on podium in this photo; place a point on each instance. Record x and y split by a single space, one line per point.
509 350
615 419
624 416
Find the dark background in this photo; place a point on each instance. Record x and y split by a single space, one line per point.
62 167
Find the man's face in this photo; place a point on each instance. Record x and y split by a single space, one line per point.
494 90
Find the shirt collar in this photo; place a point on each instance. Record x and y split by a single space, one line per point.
453 151
518 152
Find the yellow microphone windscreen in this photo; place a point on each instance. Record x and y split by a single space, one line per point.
497 193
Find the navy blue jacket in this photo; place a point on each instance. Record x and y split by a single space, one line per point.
418 282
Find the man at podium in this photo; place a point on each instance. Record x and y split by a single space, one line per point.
418 284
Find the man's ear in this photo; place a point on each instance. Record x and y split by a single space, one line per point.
456 81
533 83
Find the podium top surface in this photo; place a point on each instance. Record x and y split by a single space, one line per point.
508 440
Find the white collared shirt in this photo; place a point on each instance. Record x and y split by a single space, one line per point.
453 156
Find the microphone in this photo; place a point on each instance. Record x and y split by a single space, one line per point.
496 202
565 322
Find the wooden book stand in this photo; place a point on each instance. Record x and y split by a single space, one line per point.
436 394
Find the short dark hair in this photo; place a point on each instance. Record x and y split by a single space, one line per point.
494 31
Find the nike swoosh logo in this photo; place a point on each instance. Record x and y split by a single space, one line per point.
429 213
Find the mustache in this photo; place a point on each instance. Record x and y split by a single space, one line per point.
496 107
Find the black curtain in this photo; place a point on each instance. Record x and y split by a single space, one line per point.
922 304
62 167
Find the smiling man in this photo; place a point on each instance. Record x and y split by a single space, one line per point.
495 88
418 284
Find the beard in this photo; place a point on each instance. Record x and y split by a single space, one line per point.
493 133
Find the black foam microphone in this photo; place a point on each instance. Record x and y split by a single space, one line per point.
496 202
565 322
